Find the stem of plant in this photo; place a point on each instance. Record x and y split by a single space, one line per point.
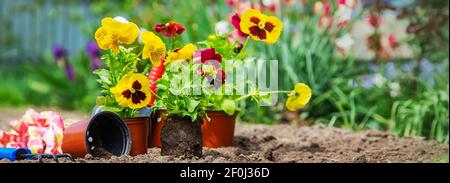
242 50
154 94
139 54
252 94
172 42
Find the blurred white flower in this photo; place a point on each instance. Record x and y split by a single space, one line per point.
395 89
372 80
392 36
390 24
268 2
222 27
121 19
318 8
378 80
361 30
343 14
345 43
393 31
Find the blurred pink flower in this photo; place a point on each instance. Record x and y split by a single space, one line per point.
242 5
232 3
329 18
342 16
40 132
348 3
322 8
325 22
381 36
374 20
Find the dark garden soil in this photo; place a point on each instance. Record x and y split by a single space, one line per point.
283 143
290 143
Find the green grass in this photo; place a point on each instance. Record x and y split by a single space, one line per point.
442 159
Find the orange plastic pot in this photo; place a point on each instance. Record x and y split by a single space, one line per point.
139 134
104 133
218 132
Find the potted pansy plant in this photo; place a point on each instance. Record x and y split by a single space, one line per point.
188 84
124 82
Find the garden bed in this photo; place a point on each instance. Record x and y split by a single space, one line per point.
290 143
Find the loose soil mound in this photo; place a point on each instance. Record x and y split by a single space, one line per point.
293 144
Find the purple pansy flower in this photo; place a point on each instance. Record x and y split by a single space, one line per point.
60 55
59 52
70 72
94 54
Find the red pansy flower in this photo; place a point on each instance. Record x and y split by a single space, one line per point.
171 29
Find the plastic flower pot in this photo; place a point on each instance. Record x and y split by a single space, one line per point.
156 124
104 134
218 132
139 128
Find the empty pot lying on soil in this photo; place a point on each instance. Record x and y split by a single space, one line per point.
289 143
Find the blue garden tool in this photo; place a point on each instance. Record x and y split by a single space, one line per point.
14 154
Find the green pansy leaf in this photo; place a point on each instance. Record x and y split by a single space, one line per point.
100 100
192 104
266 98
104 76
112 109
229 107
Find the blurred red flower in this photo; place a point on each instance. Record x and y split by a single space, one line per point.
215 75
171 29
374 20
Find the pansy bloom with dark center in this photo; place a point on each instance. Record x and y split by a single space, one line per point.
211 66
132 91
261 27
171 29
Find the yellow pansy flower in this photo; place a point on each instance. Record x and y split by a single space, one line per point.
132 91
154 48
298 97
114 32
261 27
181 54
